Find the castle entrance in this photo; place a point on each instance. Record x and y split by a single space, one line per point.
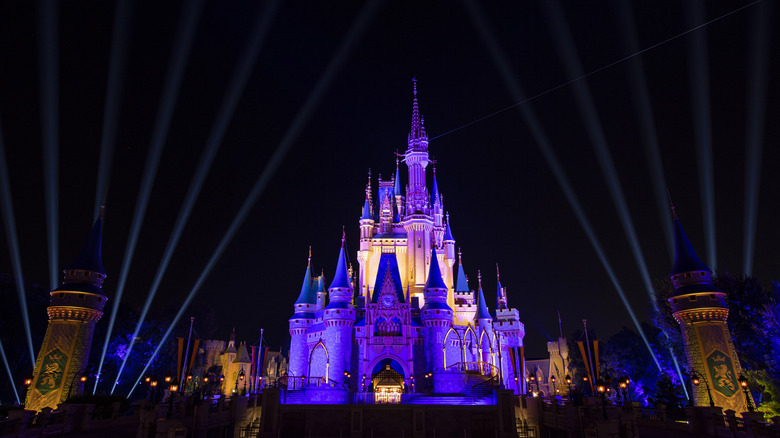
387 380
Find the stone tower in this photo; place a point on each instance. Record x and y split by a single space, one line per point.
701 311
75 308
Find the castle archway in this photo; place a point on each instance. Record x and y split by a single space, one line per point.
388 379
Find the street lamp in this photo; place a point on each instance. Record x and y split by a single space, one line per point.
173 387
81 376
568 382
743 382
552 379
602 389
624 381
695 377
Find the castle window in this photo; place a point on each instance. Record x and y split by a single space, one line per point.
419 242
675 301
702 274
692 298
62 295
712 296
81 296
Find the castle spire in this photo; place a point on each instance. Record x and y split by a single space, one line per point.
90 259
341 277
500 297
435 280
462 284
418 138
308 294
482 310
685 258
397 188
435 189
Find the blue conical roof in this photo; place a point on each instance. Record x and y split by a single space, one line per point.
321 284
397 188
308 295
685 258
341 278
89 259
448 232
435 189
482 310
366 210
434 274
462 284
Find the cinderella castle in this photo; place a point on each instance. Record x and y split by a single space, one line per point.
406 325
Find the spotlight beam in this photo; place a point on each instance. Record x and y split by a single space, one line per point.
699 80
758 71
513 84
353 35
13 245
237 83
185 33
567 50
48 83
10 375
116 76
644 111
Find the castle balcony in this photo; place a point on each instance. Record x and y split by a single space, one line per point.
388 340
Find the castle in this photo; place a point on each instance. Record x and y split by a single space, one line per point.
404 323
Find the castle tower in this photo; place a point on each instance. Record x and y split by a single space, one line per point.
75 308
436 316
338 318
418 221
510 333
465 307
484 323
300 322
701 311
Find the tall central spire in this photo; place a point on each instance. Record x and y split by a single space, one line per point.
418 138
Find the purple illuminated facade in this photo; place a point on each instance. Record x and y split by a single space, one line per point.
403 327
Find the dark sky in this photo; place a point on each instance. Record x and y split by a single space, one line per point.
504 201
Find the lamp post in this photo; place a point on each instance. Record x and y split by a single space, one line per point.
173 387
81 376
241 376
152 390
743 382
696 379
624 381
568 382
554 391
602 389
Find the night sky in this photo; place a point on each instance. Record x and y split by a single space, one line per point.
505 203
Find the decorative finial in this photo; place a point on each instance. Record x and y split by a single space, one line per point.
396 159
460 260
671 204
497 274
102 208
310 256
414 84
343 236
479 278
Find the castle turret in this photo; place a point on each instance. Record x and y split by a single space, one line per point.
510 332
300 322
338 318
465 307
75 308
436 315
418 220
399 194
700 309
484 325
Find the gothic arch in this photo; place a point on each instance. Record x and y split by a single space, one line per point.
472 357
319 345
446 345
393 357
